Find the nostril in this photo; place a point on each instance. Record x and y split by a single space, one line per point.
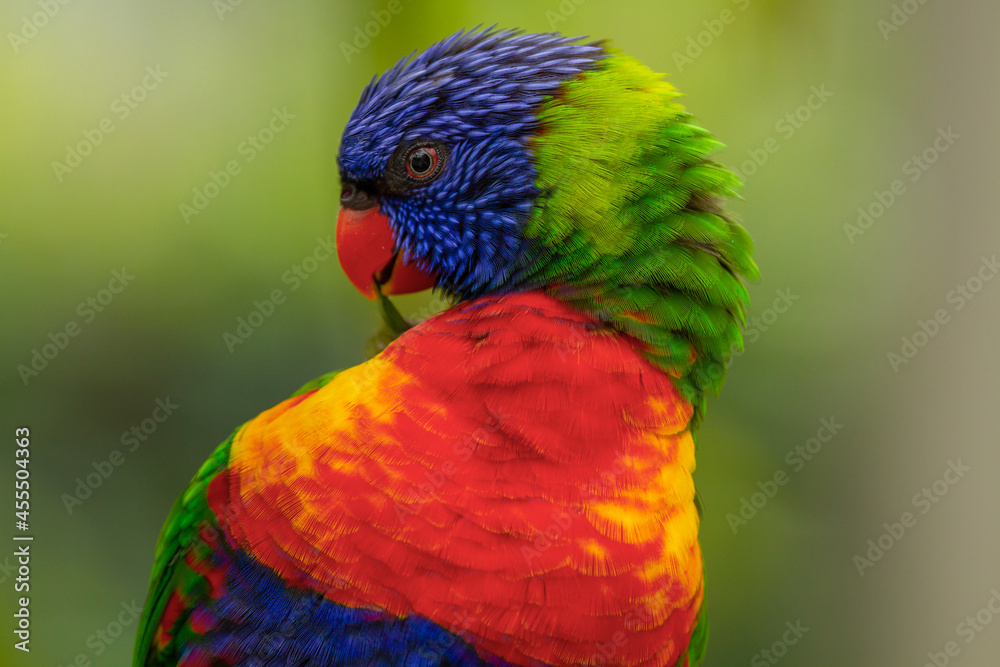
347 193
354 197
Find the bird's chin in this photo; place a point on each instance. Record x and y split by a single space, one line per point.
370 257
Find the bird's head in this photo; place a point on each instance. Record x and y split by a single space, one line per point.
498 161
437 171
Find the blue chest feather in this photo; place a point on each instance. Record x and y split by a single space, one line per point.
259 620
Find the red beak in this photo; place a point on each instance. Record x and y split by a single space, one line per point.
368 255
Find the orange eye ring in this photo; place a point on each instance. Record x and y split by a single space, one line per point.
421 162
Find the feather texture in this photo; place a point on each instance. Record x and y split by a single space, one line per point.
537 486
510 481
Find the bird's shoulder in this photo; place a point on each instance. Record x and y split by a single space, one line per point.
190 561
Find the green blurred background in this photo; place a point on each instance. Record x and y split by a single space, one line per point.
888 77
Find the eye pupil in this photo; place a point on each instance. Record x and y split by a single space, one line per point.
421 162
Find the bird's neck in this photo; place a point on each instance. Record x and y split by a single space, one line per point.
630 229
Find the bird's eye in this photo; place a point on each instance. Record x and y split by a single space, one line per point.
421 162
414 164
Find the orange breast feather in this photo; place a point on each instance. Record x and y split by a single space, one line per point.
507 469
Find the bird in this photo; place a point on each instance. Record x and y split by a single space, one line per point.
507 482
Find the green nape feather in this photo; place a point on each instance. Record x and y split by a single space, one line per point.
631 217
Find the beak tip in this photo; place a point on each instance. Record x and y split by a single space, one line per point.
370 292
366 249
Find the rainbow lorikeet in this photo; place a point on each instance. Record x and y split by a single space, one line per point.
509 481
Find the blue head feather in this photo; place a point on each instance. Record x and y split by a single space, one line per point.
477 94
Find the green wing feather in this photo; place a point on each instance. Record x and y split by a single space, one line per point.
180 534
699 639
171 572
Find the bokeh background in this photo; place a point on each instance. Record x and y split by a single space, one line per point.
824 107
